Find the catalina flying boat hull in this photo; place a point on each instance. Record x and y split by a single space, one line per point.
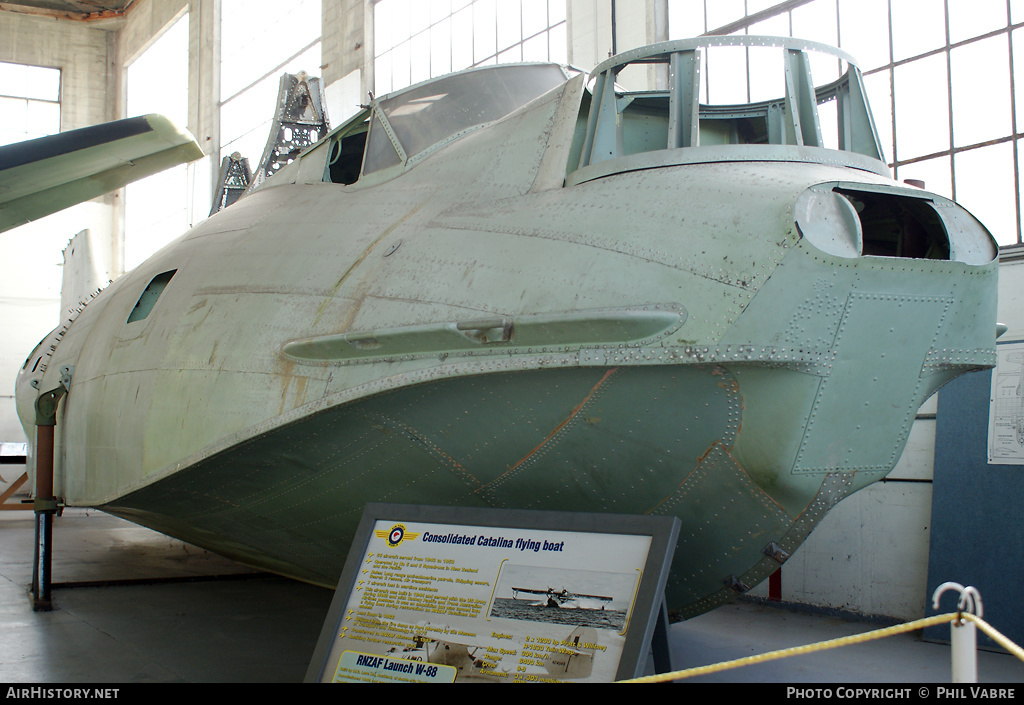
539 311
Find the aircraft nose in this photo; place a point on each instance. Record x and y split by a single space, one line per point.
29 380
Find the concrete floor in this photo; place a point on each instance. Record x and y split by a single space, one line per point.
177 614
744 629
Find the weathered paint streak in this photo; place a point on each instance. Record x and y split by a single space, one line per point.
362 258
559 427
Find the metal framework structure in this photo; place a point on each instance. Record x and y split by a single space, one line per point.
1013 135
235 177
300 120
790 119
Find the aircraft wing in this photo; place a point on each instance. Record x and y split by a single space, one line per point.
561 593
576 595
531 592
45 175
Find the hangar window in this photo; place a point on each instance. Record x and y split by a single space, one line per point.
416 40
257 46
29 102
149 297
156 209
942 76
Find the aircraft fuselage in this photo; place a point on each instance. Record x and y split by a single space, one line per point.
662 339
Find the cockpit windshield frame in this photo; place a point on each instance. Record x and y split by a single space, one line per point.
414 122
672 125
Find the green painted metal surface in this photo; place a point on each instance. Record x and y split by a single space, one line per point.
664 332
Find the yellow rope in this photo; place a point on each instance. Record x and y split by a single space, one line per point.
834 644
996 636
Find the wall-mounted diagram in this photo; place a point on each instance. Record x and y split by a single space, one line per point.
1006 411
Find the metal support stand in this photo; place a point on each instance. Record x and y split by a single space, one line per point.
45 504
660 647
41 567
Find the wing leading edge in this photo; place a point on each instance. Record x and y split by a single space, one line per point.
42 176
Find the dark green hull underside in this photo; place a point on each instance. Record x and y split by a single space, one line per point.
637 440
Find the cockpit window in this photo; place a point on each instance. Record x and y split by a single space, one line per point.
727 91
380 151
149 297
410 122
346 157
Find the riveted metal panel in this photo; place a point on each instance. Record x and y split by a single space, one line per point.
910 327
625 440
718 493
834 487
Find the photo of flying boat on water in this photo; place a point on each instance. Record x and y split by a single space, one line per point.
559 596
564 598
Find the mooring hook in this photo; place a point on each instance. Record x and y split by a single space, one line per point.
974 596
970 598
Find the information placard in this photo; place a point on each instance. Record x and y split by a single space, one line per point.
440 594
1006 406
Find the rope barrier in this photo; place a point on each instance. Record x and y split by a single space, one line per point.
995 635
834 644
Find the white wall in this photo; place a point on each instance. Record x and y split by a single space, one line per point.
30 271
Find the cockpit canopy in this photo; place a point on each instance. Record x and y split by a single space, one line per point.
409 124
714 99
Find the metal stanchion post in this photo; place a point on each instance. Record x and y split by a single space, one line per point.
963 639
963 635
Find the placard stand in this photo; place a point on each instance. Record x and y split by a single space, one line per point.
437 594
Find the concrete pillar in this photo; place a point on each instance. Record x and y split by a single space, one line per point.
347 54
593 26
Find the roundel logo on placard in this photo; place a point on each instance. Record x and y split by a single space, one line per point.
396 535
